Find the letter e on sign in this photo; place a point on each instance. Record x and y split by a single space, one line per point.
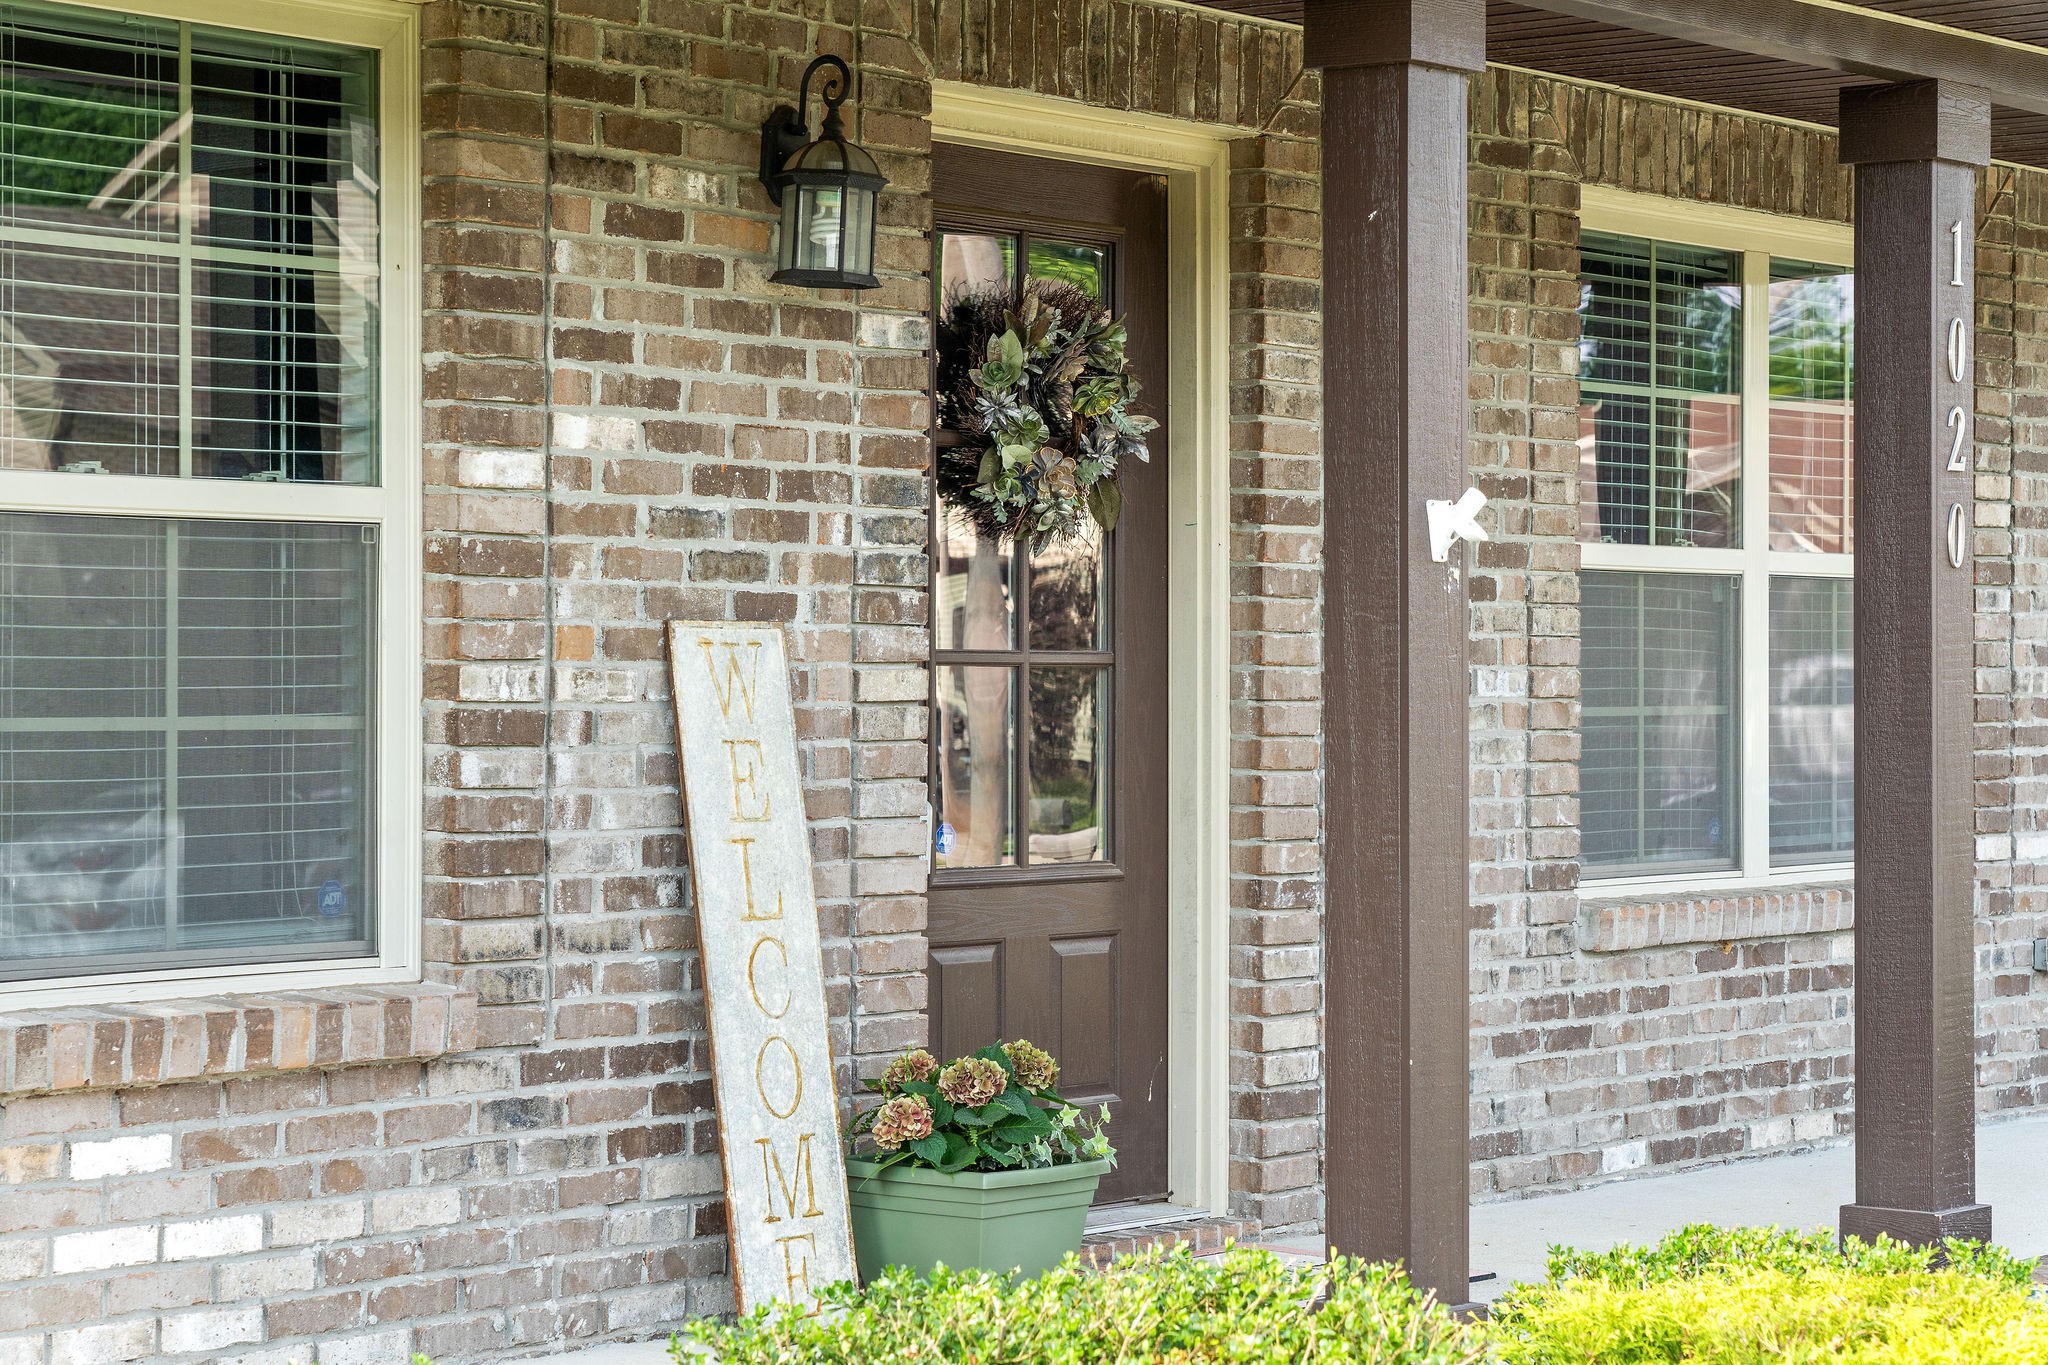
764 975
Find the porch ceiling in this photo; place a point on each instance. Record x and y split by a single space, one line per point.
1594 50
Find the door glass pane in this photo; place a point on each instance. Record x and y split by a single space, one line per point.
1813 720
1067 593
185 743
973 607
1659 670
1660 425
1813 323
1069 768
974 260
976 743
1077 265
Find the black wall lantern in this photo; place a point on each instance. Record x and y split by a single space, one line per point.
827 190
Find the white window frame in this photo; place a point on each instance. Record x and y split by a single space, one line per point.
390 30
1760 237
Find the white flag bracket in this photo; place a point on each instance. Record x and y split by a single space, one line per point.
1451 522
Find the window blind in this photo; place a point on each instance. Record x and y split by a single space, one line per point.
1659 678
1660 415
188 251
1813 720
184 742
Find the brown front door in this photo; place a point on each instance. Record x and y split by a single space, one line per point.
1048 893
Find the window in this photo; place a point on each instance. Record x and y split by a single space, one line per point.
1716 479
206 558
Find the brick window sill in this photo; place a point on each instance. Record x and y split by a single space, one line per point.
1626 924
103 1046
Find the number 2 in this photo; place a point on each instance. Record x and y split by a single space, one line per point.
1959 422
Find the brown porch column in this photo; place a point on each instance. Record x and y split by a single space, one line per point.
1395 76
1916 149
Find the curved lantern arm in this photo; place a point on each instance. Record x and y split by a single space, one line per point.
787 129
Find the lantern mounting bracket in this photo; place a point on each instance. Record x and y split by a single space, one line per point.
786 131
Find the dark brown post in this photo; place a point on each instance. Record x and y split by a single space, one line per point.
1395 77
1916 149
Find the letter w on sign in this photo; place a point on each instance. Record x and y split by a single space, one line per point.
764 978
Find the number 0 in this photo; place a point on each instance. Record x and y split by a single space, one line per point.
1959 423
1958 350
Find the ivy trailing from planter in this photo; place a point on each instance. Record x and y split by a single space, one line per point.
1036 403
995 1110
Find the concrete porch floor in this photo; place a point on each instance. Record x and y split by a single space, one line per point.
1804 1190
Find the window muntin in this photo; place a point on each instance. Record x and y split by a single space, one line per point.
191 281
1717 741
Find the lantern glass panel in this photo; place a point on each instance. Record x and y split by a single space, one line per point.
860 231
823 228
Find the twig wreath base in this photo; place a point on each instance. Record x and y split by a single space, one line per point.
1036 393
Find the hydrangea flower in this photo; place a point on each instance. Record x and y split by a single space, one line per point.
1036 1070
973 1081
914 1065
903 1119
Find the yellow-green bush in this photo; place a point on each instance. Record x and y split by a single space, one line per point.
1707 1296
1244 1308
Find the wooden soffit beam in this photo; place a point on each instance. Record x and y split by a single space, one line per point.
1852 39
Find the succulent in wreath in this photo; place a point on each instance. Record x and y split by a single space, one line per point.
1037 391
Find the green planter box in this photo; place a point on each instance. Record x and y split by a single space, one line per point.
996 1220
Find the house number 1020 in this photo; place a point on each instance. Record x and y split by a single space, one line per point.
1958 418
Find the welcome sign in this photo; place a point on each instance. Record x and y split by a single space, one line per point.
757 926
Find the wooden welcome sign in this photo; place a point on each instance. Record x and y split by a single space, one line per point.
764 978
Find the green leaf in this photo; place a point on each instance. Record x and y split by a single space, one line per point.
1105 501
1013 351
931 1149
1015 1102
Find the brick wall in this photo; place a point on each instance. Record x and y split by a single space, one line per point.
1615 1037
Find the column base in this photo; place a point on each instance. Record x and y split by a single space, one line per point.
1920 1227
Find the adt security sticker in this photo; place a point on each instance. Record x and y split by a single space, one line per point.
945 840
333 900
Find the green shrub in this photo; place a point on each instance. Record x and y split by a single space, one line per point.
1245 1307
1709 1296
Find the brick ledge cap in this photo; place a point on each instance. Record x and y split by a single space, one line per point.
1619 925
95 1047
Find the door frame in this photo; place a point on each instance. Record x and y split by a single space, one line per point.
1195 160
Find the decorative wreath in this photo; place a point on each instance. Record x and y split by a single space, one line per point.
1035 389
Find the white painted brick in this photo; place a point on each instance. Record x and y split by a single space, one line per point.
403 1210
372 1348
267 1278
304 1224
102 1248
23 1259
211 1330
500 469
121 1156
22 1350
103 1344
213 1237
1628 1156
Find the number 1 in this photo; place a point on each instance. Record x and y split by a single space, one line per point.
1955 233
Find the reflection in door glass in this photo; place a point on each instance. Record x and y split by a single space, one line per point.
1080 266
1069 793
974 605
976 738
973 260
1066 593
